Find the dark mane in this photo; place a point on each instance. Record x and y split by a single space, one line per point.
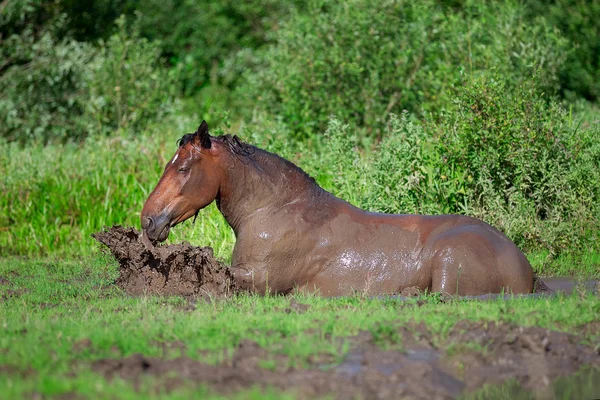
244 150
262 157
185 139
235 145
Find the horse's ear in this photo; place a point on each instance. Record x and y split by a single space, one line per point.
203 135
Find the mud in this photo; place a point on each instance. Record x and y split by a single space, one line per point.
191 271
473 354
567 285
180 269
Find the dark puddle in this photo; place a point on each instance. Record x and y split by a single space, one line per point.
567 285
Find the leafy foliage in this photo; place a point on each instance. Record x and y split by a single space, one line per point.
503 156
126 86
526 159
56 88
579 22
362 61
208 33
40 75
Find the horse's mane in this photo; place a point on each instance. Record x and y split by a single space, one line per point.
235 145
247 151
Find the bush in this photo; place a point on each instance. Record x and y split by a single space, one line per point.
127 87
361 60
200 36
40 75
501 155
56 88
531 166
579 22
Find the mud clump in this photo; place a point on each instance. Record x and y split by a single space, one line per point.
179 269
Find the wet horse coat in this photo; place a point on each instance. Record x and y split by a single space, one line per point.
292 235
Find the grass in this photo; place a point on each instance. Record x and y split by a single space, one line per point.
50 305
585 265
54 197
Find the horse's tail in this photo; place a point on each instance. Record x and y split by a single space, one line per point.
539 286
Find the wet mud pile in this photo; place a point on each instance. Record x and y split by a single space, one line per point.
472 355
180 269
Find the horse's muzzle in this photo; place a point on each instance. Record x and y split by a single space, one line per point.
156 227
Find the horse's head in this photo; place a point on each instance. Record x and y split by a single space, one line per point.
189 183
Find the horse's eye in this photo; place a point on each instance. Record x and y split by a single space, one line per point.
183 169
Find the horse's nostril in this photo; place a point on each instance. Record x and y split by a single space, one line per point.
149 223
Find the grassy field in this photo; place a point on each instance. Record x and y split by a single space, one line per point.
59 317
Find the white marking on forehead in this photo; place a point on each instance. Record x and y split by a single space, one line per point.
175 158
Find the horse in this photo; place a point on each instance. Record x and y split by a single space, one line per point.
293 236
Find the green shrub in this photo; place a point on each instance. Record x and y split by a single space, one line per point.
58 89
405 172
533 169
127 88
502 155
579 22
361 61
200 36
40 74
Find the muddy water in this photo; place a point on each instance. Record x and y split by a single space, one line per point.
191 271
568 285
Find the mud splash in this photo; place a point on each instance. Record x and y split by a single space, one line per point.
528 359
180 269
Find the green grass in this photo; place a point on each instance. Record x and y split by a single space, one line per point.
49 305
54 197
584 265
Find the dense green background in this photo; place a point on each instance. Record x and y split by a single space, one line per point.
483 108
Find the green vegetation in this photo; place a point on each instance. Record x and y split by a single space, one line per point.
402 107
51 308
361 61
56 88
440 106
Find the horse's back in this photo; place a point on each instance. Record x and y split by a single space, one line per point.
470 257
457 254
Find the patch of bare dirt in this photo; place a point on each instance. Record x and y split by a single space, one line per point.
370 374
491 354
12 294
411 291
532 356
180 269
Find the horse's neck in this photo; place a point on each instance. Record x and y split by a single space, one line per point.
261 183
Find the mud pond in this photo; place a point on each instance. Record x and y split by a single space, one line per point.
518 362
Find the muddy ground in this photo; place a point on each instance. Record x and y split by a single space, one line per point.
178 269
190 271
473 354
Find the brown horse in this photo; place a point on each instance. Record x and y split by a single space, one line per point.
292 235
